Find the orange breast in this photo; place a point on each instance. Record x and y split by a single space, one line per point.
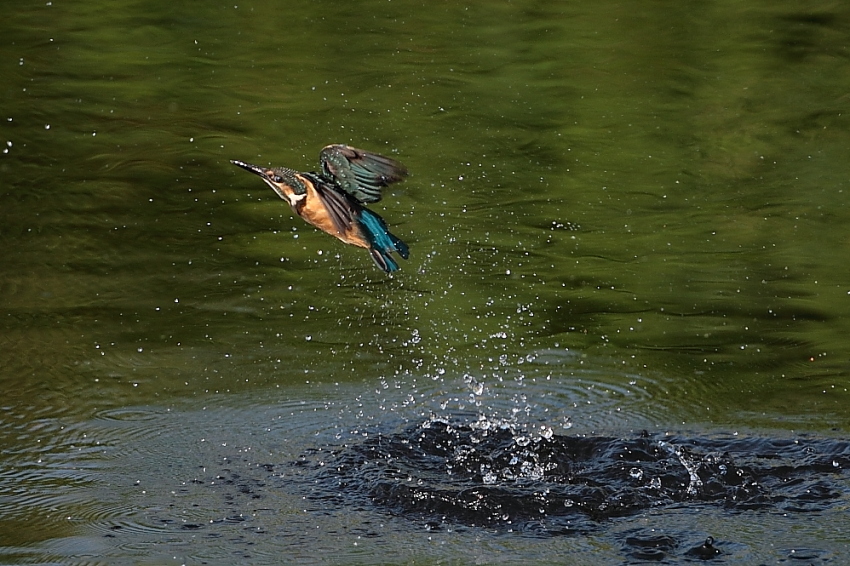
313 210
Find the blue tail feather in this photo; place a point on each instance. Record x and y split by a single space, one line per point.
383 243
384 260
400 246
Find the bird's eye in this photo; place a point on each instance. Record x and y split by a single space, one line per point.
277 179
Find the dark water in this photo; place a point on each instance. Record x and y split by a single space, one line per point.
627 229
503 476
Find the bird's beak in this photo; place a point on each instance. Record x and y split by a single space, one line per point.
252 168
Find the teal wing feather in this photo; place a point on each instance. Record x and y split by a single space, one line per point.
360 173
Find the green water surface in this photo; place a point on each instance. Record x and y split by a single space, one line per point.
655 193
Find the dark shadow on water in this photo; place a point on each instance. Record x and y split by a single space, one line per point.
465 474
492 474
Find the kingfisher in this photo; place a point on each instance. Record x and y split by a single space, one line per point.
333 200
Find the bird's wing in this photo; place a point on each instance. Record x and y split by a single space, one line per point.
359 173
340 209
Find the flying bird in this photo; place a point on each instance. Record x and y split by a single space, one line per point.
334 199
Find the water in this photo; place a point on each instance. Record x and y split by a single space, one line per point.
619 221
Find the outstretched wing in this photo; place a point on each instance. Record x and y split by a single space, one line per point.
359 173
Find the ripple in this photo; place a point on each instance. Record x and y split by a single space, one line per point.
130 414
578 400
495 473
